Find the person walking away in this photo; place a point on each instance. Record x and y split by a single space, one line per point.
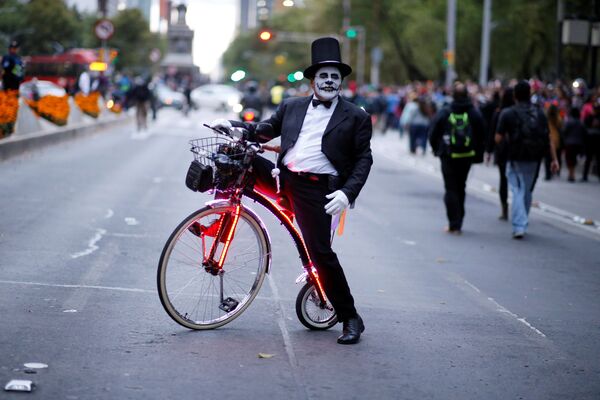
499 150
187 93
525 128
555 126
325 160
457 136
573 134
140 96
417 121
592 142
379 108
391 112
12 68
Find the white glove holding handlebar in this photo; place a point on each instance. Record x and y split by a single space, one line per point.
339 202
221 124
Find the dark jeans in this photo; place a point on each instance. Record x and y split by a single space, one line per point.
455 172
592 149
308 201
417 137
503 191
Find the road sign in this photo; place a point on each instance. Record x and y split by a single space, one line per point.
104 29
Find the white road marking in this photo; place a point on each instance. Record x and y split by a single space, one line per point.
409 243
109 213
506 311
131 221
116 288
92 247
287 342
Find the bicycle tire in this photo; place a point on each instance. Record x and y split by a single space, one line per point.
188 292
310 313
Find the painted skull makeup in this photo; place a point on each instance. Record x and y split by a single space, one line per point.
327 83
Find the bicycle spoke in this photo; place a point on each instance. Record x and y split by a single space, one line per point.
189 290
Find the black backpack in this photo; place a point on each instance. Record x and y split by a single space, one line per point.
460 139
529 141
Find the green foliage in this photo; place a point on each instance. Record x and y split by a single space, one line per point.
412 35
11 21
50 22
46 26
134 41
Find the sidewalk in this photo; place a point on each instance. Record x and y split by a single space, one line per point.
575 203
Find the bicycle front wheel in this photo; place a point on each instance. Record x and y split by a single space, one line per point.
199 297
311 311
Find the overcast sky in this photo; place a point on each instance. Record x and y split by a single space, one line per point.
213 21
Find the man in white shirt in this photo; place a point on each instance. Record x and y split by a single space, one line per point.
325 160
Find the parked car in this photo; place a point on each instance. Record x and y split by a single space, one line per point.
217 97
168 97
43 88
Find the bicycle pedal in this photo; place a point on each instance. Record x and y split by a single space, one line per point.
229 304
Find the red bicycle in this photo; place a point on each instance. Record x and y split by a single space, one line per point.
215 262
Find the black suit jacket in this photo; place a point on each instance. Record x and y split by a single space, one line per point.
346 141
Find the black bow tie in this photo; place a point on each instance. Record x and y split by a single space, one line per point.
316 102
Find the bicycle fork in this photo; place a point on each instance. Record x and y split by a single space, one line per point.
311 275
224 234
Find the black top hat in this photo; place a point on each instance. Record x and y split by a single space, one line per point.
13 44
326 52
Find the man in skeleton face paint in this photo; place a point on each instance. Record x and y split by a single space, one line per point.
324 162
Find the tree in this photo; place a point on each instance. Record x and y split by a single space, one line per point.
134 41
52 26
12 22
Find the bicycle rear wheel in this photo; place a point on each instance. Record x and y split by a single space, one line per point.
197 297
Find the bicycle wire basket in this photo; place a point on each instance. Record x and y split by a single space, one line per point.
217 163
206 149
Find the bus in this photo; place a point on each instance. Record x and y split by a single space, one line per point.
63 69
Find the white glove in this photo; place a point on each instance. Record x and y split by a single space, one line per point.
221 124
339 201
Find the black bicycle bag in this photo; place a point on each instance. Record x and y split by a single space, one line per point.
199 177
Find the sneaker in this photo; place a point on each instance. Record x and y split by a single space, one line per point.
518 235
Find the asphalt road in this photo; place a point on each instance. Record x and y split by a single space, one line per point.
480 316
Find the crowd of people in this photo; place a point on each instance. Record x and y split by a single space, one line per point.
572 109
567 117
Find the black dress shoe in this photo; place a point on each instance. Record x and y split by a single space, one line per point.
352 330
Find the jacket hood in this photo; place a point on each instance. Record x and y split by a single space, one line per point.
461 105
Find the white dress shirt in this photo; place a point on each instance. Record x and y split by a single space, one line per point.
306 154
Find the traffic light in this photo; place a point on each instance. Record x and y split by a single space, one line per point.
238 75
265 35
448 58
351 33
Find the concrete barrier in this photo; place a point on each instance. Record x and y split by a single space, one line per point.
26 139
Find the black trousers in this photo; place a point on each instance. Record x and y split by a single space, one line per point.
592 149
307 195
455 172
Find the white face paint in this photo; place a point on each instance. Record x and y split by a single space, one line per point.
327 83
